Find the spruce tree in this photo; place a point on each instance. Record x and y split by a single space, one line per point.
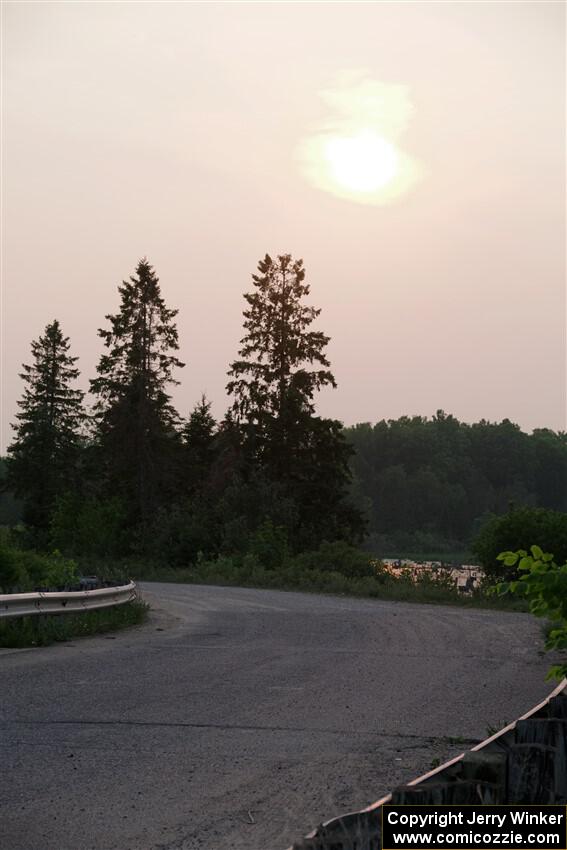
43 454
272 384
199 436
282 365
137 424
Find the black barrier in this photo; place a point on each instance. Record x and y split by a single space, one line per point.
470 827
523 765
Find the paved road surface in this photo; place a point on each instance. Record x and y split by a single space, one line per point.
238 719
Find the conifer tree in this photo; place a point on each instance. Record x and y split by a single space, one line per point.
282 365
137 424
199 430
199 443
272 384
43 454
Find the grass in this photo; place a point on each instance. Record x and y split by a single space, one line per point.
225 572
45 629
456 557
492 729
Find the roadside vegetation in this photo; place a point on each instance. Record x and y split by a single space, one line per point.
350 573
517 530
42 629
270 495
23 570
542 582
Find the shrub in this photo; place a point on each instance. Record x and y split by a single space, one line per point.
26 570
268 545
51 571
92 526
10 572
544 584
247 503
517 530
338 557
180 533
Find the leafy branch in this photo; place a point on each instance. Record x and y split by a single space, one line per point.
543 583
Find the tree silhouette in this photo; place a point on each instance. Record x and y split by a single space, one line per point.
137 424
199 435
48 430
282 365
272 384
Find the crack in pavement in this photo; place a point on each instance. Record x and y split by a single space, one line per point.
238 727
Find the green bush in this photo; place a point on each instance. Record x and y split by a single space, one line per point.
10 570
43 630
517 530
246 571
268 545
24 570
180 533
89 526
544 584
246 504
338 557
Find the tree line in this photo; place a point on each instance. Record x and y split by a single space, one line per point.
430 485
131 476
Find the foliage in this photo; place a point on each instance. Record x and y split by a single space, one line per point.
519 528
282 365
270 382
272 480
182 533
44 451
248 500
11 508
26 570
136 422
245 571
90 524
10 569
200 444
543 583
428 485
419 547
268 545
41 630
337 557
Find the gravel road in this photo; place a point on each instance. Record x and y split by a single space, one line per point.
238 719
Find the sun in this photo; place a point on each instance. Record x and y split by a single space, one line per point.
362 162
355 152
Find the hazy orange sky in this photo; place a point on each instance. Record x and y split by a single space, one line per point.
179 130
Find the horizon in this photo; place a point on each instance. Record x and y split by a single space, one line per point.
414 160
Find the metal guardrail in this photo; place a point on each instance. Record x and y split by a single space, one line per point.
71 602
486 774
